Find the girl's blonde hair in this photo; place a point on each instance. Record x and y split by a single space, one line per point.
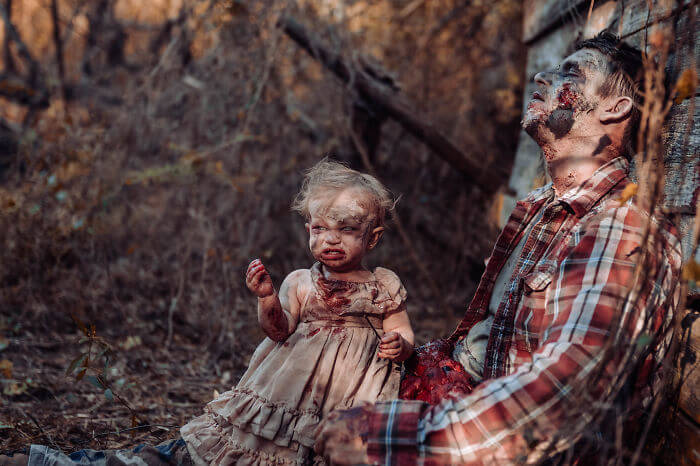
334 176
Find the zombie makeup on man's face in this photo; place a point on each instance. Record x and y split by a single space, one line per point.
565 95
340 228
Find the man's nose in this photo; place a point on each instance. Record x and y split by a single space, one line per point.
543 78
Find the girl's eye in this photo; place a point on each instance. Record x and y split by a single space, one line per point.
317 228
348 229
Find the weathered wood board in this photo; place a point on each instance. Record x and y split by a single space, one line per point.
542 16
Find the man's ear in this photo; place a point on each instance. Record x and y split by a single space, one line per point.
374 237
307 227
616 109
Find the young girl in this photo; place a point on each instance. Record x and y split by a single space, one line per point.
334 332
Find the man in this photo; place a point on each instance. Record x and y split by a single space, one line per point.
561 294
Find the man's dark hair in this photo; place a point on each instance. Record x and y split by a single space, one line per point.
624 78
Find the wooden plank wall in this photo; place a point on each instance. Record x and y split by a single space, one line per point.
549 29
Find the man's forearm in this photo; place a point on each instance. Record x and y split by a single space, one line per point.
272 318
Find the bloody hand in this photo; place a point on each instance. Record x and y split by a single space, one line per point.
341 437
394 347
258 280
431 374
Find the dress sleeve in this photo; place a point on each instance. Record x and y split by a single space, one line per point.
392 294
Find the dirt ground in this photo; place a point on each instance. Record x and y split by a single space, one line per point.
165 387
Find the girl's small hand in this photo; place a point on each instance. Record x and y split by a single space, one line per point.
258 280
394 347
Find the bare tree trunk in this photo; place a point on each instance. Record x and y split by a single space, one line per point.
58 44
7 51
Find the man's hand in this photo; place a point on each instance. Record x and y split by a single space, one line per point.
258 280
394 347
341 437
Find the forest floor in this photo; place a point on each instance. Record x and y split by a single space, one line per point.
165 387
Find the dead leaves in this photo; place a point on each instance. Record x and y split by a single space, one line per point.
627 193
12 387
691 272
686 85
131 342
6 368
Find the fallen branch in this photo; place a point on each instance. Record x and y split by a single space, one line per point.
384 99
145 426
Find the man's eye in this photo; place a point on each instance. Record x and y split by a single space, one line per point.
571 71
348 229
317 228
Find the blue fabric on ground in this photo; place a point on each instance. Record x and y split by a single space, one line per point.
170 452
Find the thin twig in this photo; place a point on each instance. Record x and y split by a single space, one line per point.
104 434
41 429
372 327
174 301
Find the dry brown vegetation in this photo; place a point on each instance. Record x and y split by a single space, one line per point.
157 154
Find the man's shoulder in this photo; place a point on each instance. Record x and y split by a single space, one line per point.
616 217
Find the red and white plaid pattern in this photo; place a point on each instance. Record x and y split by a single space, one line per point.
568 290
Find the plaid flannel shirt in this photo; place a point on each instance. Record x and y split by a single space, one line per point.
567 291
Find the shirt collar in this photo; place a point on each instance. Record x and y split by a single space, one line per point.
583 197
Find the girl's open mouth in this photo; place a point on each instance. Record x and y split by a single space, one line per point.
331 254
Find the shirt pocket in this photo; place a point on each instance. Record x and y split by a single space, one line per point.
528 325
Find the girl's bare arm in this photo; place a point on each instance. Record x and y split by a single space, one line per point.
397 342
278 313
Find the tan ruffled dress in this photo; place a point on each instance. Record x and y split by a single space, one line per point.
328 362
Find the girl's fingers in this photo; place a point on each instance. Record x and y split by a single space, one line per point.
254 263
256 278
389 354
389 337
392 345
256 268
251 274
257 274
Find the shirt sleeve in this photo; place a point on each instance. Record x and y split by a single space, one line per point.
506 418
393 295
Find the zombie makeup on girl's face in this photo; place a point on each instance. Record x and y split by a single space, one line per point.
339 229
565 94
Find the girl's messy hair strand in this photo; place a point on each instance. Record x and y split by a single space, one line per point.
330 175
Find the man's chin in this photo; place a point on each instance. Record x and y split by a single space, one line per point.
530 125
534 127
